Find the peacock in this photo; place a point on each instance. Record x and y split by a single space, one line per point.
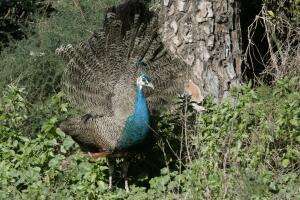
120 78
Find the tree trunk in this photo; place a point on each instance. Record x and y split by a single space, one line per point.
206 35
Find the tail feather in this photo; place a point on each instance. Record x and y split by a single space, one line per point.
99 68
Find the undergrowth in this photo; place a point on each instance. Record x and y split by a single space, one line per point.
247 147
32 62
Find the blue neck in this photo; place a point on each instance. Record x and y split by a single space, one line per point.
137 128
141 111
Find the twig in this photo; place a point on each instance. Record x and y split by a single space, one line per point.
272 54
77 4
185 132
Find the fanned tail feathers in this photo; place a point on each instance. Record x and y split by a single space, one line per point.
101 72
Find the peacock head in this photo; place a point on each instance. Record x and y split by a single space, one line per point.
144 80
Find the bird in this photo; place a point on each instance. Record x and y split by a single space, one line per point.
120 78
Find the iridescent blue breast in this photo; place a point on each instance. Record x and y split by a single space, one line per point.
137 126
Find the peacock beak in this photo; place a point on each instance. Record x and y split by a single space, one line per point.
150 85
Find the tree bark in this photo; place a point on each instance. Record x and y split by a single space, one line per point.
206 35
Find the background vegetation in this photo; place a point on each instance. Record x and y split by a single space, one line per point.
32 62
247 147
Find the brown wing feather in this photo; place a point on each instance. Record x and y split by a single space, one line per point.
100 77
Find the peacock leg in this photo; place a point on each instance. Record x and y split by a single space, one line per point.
111 167
125 172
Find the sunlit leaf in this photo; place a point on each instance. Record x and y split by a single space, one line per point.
285 163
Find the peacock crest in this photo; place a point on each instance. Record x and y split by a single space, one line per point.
110 77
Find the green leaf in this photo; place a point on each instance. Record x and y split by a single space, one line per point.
164 171
62 149
273 186
68 143
298 138
60 133
285 163
54 162
294 122
53 120
64 107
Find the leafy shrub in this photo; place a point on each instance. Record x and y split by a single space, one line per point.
41 167
16 17
289 9
247 147
251 143
275 56
32 63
